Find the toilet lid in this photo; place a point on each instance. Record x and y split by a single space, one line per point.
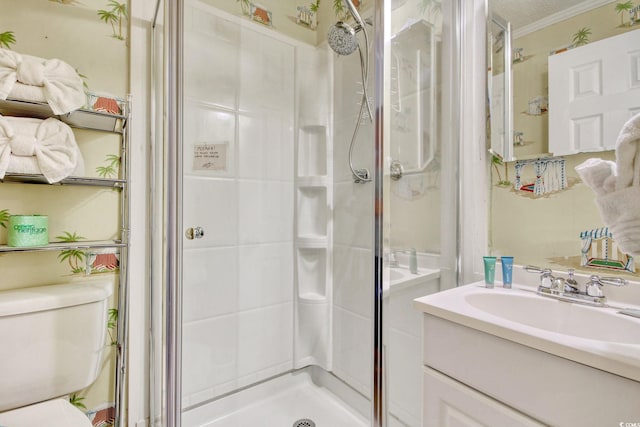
52 413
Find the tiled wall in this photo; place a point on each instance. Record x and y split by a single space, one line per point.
353 230
238 279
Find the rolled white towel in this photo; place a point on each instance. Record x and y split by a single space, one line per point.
620 211
36 146
598 174
30 78
617 187
628 154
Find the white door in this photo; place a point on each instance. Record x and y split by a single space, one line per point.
593 91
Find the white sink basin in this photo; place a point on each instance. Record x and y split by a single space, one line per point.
396 274
595 336
397 278
575 320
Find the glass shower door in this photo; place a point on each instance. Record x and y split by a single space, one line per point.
276 246
419 195
237 322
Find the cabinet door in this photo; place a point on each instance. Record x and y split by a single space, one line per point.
450 403
593 91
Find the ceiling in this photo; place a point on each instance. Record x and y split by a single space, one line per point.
524 12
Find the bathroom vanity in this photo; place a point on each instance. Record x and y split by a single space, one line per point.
509 357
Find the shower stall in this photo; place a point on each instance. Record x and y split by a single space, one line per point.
308 186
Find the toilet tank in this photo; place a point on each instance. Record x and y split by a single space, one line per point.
51 340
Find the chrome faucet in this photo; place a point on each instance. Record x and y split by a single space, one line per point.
569 289
594 287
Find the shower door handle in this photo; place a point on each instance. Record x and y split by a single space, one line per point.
194 233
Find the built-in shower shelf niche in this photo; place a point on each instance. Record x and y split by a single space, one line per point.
312 275
312 151
312 242
312 212
313 181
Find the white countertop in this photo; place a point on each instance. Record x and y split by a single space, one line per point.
621 358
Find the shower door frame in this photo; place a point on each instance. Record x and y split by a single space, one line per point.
170 358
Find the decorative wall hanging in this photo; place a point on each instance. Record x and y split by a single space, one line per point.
623 7
634 15
538 105
550 176
307 16
261 15
600 250
106 261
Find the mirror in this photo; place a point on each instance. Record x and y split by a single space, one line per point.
541 213
499 81
547 35
413 98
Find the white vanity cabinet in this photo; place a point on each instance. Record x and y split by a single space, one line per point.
448 402
474 378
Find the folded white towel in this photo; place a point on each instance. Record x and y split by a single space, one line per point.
617 187
38 146
620 211
55 81
628 154
598 174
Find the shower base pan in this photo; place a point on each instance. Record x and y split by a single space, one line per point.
281 401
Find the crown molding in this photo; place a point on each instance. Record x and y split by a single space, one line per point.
560 16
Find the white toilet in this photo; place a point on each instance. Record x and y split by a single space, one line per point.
51 344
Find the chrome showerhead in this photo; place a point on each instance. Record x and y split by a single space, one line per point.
342 38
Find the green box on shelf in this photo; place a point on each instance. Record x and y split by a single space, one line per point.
28 230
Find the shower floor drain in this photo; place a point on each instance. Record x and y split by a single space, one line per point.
305 422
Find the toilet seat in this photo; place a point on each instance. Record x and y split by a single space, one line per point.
52 413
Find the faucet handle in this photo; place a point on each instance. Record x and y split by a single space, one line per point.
546 278
594 287
534 269
613 281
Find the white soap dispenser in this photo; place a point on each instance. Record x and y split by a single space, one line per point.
413 261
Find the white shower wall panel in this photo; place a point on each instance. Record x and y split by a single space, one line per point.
353 278
314 85
213 205
265 211
266 276
353 220
208 124
352 349
210 283
238 279
347 97
266 145
265 343
266 73
353 229
212 55
362 149
209 358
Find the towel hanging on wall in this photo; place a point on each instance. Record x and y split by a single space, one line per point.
29 78
617 187
35 146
